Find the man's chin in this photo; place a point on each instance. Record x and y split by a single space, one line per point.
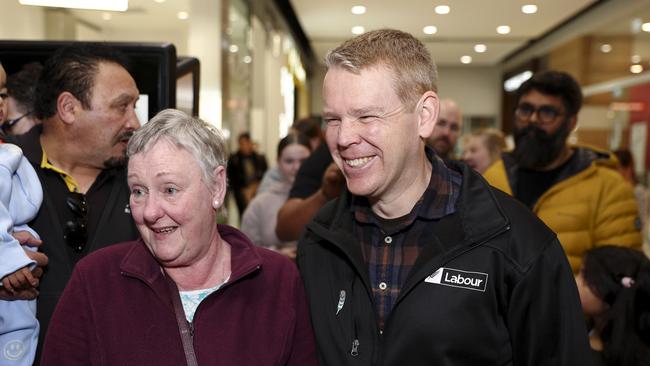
115 162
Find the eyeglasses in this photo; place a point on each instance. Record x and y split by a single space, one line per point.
545 113
75 232
10 123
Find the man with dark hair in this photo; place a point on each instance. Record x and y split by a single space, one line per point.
245 171
86 99
575 190
418 262
21 88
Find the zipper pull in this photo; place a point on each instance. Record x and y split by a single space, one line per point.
339 306
355 348
190 327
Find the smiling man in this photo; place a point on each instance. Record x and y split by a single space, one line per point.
576 190
418 262
86 99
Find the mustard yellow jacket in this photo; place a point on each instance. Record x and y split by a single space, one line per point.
590 205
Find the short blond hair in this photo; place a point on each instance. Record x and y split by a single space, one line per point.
414 71
494 140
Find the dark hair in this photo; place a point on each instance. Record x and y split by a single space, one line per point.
624 157
72 69
244 135
621 278
558 84
21 86
310 127
293 138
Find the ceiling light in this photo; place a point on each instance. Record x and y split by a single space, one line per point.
529 9
113 5
645 27
503 29
635 59
466 59
442 9
480 48
247 59
605 48
233 48
159 1
106 15
635 69
358 9
357 29
430 29
182 15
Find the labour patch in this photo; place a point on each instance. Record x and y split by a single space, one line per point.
476 281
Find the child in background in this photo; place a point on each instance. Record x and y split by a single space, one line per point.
20 199
614 287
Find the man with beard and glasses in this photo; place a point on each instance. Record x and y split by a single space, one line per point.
445 133
85 98
575 190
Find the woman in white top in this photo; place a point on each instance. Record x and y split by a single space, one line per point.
258 221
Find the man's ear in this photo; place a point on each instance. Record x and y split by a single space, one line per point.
427 110
67 106
573 123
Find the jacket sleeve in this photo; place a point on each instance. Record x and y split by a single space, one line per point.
303 349
69 334
250 222
617 214
544 315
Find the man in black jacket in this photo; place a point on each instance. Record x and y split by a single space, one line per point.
86 99
419 263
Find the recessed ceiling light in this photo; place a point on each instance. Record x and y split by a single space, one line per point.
645 27
529 9
106 15
247 59
182 15
159 1
503 29
442 9
605 48
358 9
635 59
635 69
233 48
357 29
480 48
430 29
466 59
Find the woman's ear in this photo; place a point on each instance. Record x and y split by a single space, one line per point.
219 188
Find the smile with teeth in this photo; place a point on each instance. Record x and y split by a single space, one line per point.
358 161
164 230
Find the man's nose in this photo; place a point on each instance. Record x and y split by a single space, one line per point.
348 133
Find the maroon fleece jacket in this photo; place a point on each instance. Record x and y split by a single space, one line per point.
117 310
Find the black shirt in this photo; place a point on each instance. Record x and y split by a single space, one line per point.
310 176
532 184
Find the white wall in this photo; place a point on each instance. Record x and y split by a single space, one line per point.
21 22
477 90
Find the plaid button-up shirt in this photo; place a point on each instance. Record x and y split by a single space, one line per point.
390 247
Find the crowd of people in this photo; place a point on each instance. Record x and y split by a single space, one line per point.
370 241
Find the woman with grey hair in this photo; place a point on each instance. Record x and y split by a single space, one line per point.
189 291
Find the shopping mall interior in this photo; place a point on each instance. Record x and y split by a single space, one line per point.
256 65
